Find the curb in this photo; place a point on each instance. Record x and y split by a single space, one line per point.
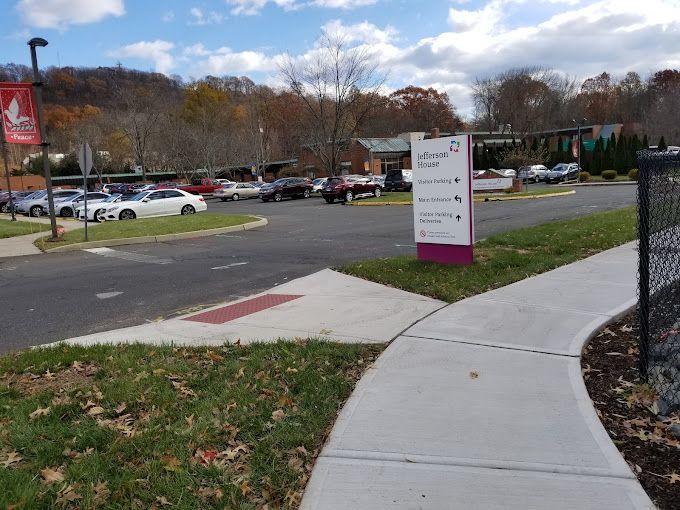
160 238
619 183
480 199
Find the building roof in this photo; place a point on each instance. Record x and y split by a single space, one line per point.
385 145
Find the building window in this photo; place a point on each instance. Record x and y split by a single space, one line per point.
391 164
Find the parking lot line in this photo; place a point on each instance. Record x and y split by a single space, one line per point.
125 255
230 265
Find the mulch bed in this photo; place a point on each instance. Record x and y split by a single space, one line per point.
626 408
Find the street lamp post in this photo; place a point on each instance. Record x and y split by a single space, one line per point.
37 85
579 124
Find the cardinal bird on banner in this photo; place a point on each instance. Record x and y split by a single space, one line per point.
19 114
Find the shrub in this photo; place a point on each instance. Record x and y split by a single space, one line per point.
633 174
508 190
609 175
584 176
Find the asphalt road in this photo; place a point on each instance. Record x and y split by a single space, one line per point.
51 297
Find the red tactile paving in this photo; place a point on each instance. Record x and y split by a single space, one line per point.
231 312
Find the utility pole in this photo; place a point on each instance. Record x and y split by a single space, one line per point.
37 86
579 124
5 157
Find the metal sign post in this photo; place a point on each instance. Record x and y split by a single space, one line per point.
85 164
5 157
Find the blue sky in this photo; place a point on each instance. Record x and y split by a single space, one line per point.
440 43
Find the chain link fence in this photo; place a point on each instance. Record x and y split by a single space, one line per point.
659 274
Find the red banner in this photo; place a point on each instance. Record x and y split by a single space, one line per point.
19 114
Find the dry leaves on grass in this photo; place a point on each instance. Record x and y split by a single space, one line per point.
68 495
50 475
278 415
13 457
44 411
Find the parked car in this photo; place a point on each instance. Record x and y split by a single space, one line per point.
236 191
347 188
224 181
37 206
149 204
379 180
507 172
398 180
317 184
533 173
202 186
94 212
168 185
562 172
16 197
287 187
257 184
67 206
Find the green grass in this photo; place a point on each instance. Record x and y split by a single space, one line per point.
404 197
148 227
144 427
504 258
19 228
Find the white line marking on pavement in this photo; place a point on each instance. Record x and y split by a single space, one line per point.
226 235
405 245
230 265
125 255
107 295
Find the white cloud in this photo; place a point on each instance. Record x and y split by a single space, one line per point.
168 16
62 13
363 32
251 7
201 18
157 51
226 61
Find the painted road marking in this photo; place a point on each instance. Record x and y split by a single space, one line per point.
107 295
230 265
125 255
405 245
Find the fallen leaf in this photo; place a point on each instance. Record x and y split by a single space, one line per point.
41 411
171 463
625 328
120 408
214 357
189 420
12 458
239 374
211 493
474 374
96 410
101 492
67 495
245 488
50 475
163 501
278 415
291 370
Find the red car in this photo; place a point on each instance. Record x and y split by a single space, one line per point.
349 187
202 186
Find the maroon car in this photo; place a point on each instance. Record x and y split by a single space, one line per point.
292 187
349 187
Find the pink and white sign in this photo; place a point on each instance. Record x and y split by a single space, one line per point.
19 114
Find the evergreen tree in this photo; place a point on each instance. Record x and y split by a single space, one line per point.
475 157
645 142
559 154
484 158
585 158
620 156
635 146
662 144
534 145
493 158
607 161
596 167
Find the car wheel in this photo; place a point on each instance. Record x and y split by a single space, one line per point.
329 200
36 211
278 197
5 208
349 196
223 199
306 194
67 212
127 214
234 197
377 192
97 216
188 209
265 199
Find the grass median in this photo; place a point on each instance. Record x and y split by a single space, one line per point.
504 258
19 228
153 427
405 197
147 227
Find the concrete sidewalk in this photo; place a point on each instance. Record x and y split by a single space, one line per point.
326 304
481 405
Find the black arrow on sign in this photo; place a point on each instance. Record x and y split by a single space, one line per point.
458 217
457 179
458 199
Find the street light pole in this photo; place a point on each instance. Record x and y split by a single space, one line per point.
579 124
37 85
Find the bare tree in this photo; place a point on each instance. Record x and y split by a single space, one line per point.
338 85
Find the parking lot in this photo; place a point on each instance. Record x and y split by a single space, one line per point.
56 296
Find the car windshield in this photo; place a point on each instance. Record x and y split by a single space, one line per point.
317 181
560 167
279 182
112 198
37 194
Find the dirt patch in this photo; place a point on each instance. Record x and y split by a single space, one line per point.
76 376
626 408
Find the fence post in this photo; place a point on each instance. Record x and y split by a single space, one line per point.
644 179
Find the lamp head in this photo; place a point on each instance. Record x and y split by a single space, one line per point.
37 41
